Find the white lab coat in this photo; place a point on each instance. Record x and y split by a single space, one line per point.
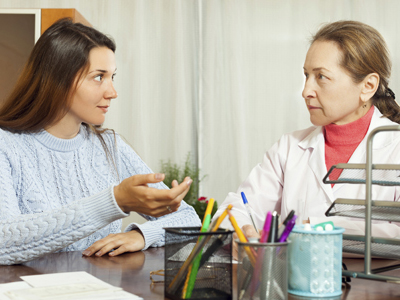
290 177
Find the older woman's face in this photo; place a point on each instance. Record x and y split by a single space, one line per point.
330 93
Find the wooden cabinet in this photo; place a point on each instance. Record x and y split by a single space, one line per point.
21 28
49 16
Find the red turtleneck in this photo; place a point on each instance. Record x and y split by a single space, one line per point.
342 140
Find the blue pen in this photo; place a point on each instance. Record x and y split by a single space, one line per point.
246 203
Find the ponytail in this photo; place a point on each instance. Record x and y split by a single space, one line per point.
387 105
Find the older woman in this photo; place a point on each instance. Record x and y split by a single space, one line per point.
346 92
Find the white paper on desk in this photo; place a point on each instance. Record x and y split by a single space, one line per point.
47 280
70 292
5 287
67 286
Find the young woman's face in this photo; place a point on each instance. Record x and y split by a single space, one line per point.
95 90
329 92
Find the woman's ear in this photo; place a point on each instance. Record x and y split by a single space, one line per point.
369 86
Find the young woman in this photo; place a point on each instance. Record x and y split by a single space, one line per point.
66 182
347 70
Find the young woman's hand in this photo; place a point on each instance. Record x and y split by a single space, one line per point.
129 261
130 241
133 194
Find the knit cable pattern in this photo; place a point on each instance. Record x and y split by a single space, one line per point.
57 195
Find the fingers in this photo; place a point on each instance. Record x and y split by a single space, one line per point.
120 243
169 201
176 190
133 194
168 209
249 231
144 179
102 246
119 250
133 241
125 191
95 247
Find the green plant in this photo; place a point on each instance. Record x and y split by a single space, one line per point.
179 172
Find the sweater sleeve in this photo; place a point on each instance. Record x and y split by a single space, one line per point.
153 232
24 237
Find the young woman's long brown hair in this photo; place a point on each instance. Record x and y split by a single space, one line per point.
43 92
364 51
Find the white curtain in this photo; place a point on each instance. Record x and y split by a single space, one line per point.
159 80
219 78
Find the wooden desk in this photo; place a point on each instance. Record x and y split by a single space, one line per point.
131 272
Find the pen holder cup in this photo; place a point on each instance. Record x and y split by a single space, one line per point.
315 262
262 271
214 276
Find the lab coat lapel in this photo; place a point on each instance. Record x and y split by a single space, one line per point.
315 143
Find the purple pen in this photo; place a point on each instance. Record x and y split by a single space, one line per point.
260 253
288 229
266 229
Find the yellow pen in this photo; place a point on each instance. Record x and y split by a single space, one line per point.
209 208
218 221
242 238
184 290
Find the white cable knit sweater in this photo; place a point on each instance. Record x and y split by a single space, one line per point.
57 195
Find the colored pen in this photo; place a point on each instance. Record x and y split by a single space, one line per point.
218 243
285 234
177 281
242 238
217 222
191 276
248 208
288 229
266 228
288 217
209 208
266 273
249 269
273 233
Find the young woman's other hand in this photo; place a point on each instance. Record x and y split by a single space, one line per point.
134 194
